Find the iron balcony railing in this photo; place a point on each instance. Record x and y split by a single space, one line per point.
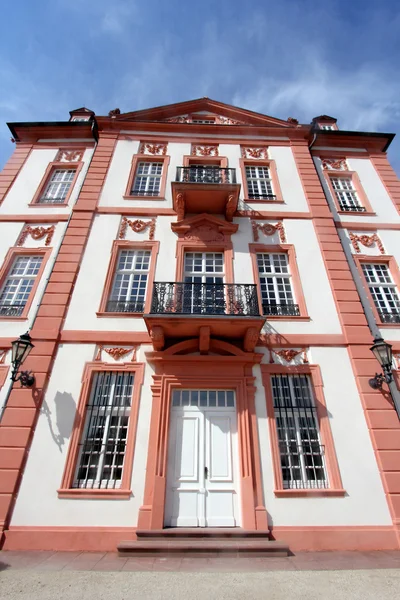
11 310
389 317
349 208
205 174
205 299
255 196
125 306
281 310
51 200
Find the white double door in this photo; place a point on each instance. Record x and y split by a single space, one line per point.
202 478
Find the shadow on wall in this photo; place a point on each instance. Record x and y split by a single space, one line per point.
65 415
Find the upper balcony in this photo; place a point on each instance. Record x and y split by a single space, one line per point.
205 188
182 310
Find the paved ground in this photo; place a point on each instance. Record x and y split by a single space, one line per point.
105 576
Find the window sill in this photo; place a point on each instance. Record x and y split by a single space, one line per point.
286 318
96 493
388 325
311 493
47 204
115 315
260 201
147 198
357 213
21 318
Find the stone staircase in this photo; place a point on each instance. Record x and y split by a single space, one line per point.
202 542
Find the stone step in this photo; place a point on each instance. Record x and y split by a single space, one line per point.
200 532
203 547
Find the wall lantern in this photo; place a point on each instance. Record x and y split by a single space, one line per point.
383 354
20 350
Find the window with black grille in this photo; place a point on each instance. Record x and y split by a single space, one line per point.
301 452
103 444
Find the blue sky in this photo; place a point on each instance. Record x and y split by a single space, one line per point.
280 57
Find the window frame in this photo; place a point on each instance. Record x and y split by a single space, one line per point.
271 164
358 188
334 478
55 166
11 255
297 289
138 158
128 245
394 271
66 490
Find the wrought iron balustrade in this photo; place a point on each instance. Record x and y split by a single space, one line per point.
281 310
51 200
205 174
389 317
205 299
349 208
255 196
11 310
124 306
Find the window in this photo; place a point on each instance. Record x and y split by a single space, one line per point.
147 181
383 291
275 283
327 127
102 448
80 118
259 182
204 121
58 187
129 286
301 453
18 284
57 183
204 278
346 194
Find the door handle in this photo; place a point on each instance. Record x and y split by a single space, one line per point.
205 473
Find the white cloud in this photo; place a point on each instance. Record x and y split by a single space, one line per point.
365 98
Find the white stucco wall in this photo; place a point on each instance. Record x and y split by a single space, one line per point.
365 502
25 186
38 503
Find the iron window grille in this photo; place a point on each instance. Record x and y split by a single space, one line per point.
147 181
103 444
128 293
275 283
259 182
58 187
301 453
346 194
18 285
209 174
383 291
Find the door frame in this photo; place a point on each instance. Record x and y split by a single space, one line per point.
204 459
204 372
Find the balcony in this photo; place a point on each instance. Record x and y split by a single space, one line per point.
389 317
202 188
185 310
281 310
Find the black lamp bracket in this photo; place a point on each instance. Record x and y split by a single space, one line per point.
26 378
